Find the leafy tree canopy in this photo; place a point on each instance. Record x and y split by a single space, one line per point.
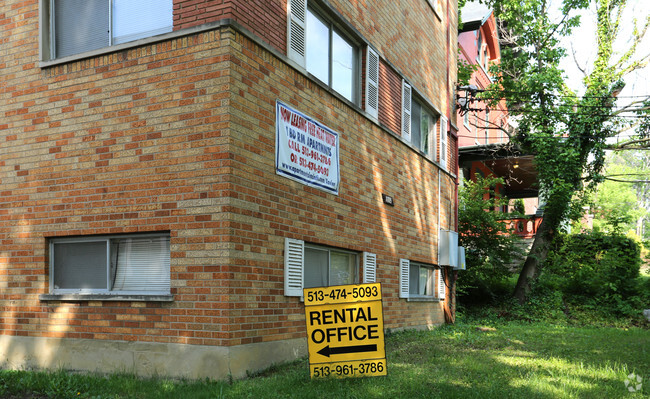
568 134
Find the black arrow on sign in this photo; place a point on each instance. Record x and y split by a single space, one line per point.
327 351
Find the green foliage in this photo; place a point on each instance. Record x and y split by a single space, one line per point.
488 242
519 207
596 272
589 279
465 71
560 128
596 265
616 207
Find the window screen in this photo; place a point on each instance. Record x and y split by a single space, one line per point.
80 265
326 267
80 25
133 20
86 25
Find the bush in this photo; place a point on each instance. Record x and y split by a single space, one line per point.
487 240
595 271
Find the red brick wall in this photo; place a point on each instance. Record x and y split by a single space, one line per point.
372 162
266 18
390 98
179 136
410 37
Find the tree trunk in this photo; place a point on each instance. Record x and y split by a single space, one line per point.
535 260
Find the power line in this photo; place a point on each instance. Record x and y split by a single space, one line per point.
563 95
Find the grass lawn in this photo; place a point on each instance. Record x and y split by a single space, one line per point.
466 360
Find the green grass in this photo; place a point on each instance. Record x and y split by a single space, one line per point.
466 360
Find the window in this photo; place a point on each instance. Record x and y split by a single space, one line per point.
423 129
129 264
327 266
77 26
419 124
308 265
421 281
322 49
466 120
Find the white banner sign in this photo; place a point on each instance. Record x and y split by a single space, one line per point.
306 150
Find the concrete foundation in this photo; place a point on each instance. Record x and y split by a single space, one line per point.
146 359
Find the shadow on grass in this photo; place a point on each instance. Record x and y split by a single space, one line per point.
460 361
510 361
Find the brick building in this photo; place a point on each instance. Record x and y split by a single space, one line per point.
483 132
174 172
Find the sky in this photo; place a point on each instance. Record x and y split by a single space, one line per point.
583 42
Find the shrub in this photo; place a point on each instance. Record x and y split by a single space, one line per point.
595 270
487 240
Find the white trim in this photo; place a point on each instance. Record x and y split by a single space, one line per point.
294 266
297 31
404 269
372 82
444 143
407 106
369 267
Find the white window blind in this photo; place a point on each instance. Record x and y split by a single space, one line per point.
142 264
133 20
372 82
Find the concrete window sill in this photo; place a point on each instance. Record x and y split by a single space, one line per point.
107 297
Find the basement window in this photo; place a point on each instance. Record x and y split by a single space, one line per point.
110 265
419 281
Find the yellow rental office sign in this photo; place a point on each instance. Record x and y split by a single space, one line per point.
345 331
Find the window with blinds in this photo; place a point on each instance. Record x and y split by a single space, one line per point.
111 265
420 281
85 25
309 265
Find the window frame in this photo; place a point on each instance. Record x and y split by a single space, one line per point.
103 293
438 284
430 284
297 46
47 28
334 28
294 265
432 125
329 251
437 143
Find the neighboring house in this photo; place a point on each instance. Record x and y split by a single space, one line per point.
173 173
484 145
